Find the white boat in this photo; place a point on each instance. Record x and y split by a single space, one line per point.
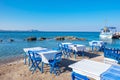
107 32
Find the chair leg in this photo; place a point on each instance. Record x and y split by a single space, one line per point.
37 66
32 66
51 69
42 67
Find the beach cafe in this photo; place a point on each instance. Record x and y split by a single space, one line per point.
85 69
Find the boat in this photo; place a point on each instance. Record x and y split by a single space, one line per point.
107 32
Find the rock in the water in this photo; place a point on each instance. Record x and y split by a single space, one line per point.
82 39
42 38
11 40
60 38
31 39
74 38
1 40
70 38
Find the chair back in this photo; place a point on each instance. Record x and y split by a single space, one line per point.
65 47
33 55
94 43
76 76
58 57
112 53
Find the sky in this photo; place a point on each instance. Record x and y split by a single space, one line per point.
59 15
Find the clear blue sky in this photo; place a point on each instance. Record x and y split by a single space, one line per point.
59 15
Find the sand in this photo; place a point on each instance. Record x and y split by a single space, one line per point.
16 70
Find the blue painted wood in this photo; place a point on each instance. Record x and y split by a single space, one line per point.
76 76
112 53
54 64
35 60
113 73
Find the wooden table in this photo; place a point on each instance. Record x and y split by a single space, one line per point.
90 68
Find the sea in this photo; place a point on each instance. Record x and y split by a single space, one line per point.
14 49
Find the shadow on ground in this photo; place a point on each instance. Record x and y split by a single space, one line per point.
65 65
91 55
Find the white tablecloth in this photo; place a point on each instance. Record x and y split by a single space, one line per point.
33 49
90 68
43 52
47 55
77 47
96 43
66 43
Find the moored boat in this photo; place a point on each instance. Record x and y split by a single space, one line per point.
107 32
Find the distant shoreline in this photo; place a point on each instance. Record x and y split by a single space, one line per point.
44 31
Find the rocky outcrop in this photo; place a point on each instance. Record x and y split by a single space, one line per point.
82 39
42 38
1 40
74 38
31 39
11 40
60 38
69 38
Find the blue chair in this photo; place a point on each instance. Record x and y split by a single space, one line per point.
35 60
66 51
113 73
103 46
54 64
112 53
76 76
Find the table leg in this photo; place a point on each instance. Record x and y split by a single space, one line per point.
42 67
25 58
83 53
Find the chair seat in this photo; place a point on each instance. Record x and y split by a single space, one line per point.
76 76
51 61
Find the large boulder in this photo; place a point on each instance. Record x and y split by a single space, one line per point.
60 38
1 40
42 38
11 40
69 38
82 39
31 39
74 38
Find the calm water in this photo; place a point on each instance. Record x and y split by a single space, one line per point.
13 49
